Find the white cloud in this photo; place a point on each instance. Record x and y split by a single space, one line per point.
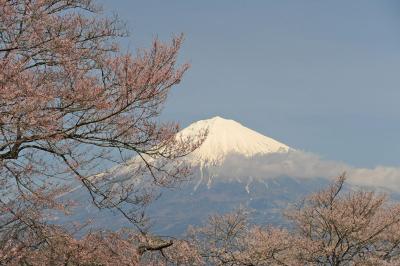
299 164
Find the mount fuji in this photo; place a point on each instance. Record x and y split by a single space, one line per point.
234 166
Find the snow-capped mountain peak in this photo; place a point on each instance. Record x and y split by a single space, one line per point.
227 136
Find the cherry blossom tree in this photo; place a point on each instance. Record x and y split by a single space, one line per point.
347 228
123 247
230 240
330 227
72 105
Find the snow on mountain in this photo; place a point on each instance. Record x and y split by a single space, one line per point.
227 136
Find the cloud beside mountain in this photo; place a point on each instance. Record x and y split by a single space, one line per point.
302 165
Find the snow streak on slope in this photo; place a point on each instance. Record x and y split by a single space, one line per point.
228 136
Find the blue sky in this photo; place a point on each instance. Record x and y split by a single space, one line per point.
320 76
